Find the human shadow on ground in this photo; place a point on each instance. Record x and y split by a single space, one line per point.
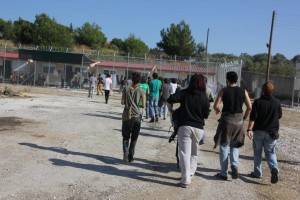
201 170
113 113
104 116
248 179
111 170
244 177
147 134
160 167
153 129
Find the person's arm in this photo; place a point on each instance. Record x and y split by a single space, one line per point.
143 101
248 105
218 102
279 112
123 98
249 129
206 109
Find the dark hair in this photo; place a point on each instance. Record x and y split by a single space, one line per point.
166 80
173 80
107 75
268 88
144 79
197 83
154 75
232 77
136 77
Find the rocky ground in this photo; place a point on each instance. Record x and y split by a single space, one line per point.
59 144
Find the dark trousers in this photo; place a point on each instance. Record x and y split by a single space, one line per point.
130 131
106 92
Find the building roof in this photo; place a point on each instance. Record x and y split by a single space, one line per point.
9 55
171 68
58 57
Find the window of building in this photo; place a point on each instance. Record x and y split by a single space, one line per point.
46 68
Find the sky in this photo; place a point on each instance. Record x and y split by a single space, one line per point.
235 26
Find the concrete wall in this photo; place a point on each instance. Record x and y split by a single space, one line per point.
283 85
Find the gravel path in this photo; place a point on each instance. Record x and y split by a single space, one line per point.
59 144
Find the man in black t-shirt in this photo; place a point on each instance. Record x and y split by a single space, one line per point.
230 131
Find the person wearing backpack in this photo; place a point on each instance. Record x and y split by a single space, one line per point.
131 118
191 115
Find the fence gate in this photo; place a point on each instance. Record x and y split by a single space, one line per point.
221 71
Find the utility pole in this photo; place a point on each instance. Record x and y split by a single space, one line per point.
206 51
270 47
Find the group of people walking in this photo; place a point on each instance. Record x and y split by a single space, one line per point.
194 109
100 84
157 91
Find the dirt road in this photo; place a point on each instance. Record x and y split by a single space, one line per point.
59 144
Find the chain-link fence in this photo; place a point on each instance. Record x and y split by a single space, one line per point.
13 69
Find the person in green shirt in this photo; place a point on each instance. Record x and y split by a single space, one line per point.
155 86
144 86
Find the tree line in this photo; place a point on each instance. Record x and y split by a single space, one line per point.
176 40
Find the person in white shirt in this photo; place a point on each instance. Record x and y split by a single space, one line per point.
173 85
107 87
92 85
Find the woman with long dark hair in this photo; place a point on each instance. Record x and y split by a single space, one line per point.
194 108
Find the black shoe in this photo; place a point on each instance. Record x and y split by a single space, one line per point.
125 158
252 175
152 120
130 158
156 119
234 172
183 185
274 177
221 176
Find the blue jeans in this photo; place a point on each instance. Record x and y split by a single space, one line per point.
153 106
164 109
262 140
147 108
234 156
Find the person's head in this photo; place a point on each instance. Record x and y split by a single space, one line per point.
136 77
166 80
231 77
107 75
174 80
143 79
99 75
154 75
197 83
267 89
